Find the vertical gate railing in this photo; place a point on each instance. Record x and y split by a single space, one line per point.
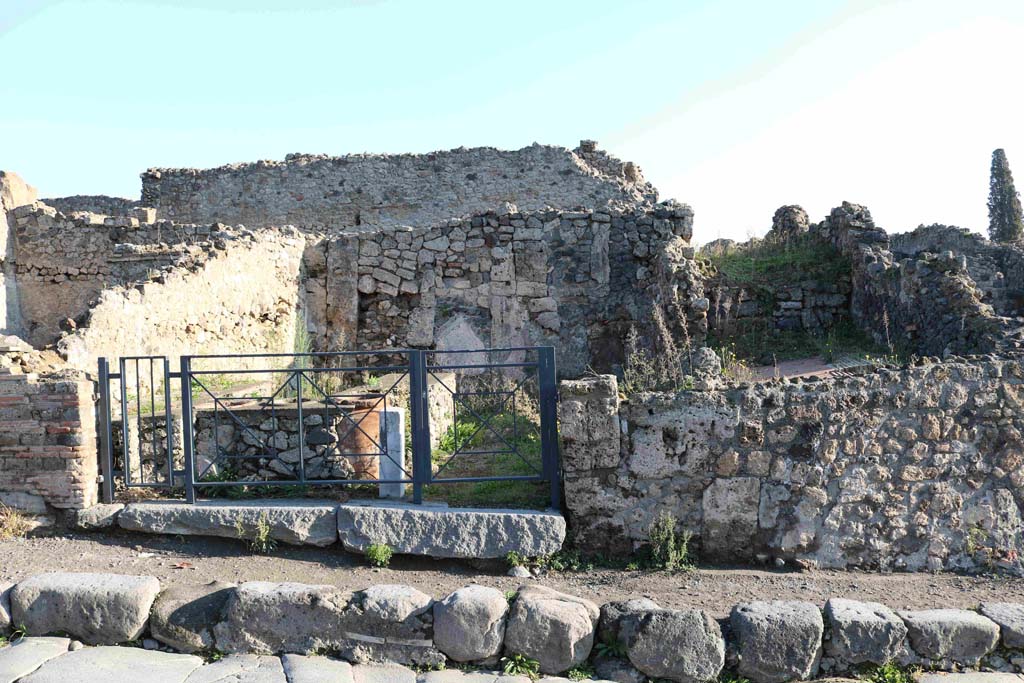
486 398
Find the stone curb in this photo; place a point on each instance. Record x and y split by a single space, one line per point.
766 642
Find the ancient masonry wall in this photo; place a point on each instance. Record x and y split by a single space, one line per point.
917 469
14 192
62 263
239 295
47 441
322 192
811 305
575 279
927 304
94 203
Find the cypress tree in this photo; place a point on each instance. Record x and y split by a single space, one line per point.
1005 218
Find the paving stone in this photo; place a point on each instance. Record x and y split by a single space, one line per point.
382 673
241 669
682 645
101 516
969 677
296 523
1010 617
450 532
112 664
862 632
469 624
5 606
303 669
99 609
958 635
184 616
777 641
390 623
615 613
553 628
27 654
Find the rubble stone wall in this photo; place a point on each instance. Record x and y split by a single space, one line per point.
913 469
810 305
47 441
323 192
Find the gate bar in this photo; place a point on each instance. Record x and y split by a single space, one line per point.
186 428
549 421
106 433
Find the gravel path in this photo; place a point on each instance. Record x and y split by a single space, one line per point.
176 559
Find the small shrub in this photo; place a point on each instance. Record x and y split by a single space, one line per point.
612 650
891 672
261 541
514 559
510 596
669 551
729 677
13 523
521 665
379 554
580 672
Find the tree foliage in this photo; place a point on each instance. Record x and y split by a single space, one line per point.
1005 218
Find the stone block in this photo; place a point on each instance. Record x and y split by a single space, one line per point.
5 606
730 518
390 623
955 635
450 532
1008 615
553 628
27 654
295 523
99 609
469 624
615 625
382 673
681 645
239 668
102 516
862 633
116 664
184 616
303 669
777 641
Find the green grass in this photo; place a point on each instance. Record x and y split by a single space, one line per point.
754 339
770 263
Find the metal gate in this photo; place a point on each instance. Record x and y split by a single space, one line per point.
315 419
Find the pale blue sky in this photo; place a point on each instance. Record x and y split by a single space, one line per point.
734 106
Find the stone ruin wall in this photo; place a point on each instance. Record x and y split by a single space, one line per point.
575 279
94 203
814 306
238 294
919 468
322 192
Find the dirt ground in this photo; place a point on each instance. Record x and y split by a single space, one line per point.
176 559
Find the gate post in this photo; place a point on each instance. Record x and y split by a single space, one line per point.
106 433
420 426
546 374
186 429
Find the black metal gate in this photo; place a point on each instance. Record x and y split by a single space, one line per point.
344 418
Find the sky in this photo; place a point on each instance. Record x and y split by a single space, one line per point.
735 107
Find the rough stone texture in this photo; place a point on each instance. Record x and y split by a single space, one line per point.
914 469
317 191
469 624
382 673
100 516
1009 616
862 632
241 669
616 625
777 641
789 221
184 615
101 609
5 606
450 532
297 522
303 669
28 654
955 635
554 628
730 517
115 664
390 623
265 617
681 645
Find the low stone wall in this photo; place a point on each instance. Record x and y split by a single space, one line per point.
239 294
47 441
766 642
918 468
809 305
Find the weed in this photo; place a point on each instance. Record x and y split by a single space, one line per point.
514 559
616 650
261 541
13 523
379 554
562 561
891 672
669 551
729 677
580 672
659 367
521 665
211 655
17 634
733 366
510 596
